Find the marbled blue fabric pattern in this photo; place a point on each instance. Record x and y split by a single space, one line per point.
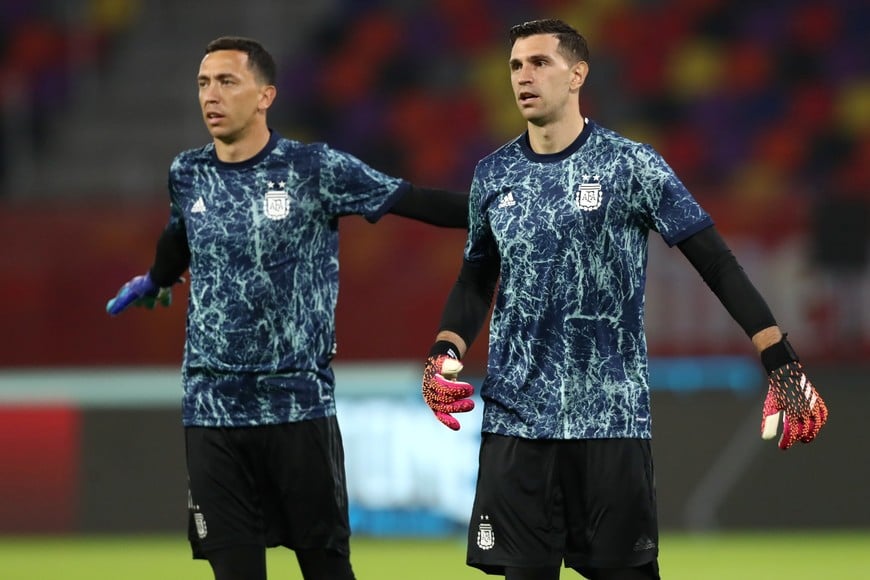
567 351
263 237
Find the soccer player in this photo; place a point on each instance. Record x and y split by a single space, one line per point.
558 223
254 217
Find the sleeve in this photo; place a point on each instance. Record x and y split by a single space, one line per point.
471 296
714 261
172 255
480 245
667 205
350 187
433 206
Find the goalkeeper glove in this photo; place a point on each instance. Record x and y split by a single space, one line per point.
790 394
441 391
140 291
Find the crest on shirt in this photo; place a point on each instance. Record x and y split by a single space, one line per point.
589 195
201 528
276 206
485 535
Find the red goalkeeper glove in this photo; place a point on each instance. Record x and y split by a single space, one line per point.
790 394
441 391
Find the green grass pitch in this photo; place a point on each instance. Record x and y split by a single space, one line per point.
839 555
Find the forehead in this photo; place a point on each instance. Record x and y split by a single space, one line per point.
538 44
224 62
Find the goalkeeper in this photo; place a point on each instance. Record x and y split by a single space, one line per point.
558 223
255 218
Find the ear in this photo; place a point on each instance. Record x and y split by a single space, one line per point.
579 72
267 97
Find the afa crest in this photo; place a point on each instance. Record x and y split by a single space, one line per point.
485 535
276 205
201 528
589 196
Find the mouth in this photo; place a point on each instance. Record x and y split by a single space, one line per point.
213 118
526 97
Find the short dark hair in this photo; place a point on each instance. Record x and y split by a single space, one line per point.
571 43
259 59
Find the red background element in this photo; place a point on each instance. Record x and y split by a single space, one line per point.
38 468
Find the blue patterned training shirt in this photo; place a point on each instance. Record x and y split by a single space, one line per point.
567 350
263 237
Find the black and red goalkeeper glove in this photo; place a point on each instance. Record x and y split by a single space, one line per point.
790 394
441 391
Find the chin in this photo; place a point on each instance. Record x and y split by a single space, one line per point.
533 118
220 133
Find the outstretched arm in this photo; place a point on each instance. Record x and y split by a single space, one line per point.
790 392
433 206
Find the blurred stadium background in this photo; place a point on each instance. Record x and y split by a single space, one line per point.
763 108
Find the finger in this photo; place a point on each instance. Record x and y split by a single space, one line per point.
453 389
123 299
164 297
447 420
460 406
790 433
770 425
450 368
810 430
821 411
815 422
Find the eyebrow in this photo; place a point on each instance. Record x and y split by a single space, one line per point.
539 56
219 76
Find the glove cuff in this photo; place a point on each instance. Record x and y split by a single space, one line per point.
778 354
444 347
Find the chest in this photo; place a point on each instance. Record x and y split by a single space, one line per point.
559 206
250 213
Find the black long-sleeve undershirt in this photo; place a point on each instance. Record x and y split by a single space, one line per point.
172 257
712 258
436 207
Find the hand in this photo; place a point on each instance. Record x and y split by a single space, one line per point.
140 291
791 393
443 393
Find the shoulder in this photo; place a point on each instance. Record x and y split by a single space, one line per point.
618 146
603 136
506 154
192 157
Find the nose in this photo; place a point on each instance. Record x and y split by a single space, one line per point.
208 93
524 75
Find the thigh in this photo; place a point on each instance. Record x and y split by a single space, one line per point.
323 564
305 493
516 521
223 507
239 563
610 503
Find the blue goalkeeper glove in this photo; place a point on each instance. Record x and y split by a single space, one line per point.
140 291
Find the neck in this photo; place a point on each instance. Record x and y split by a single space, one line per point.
243 147
557 136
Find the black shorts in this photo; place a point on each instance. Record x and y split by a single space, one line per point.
276 485
588 502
